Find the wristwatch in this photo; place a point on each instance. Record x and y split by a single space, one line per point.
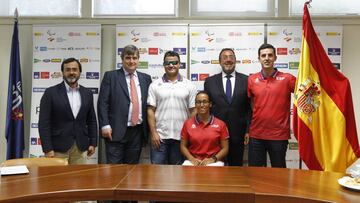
214 158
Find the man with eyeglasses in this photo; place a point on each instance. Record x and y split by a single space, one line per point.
170 102
230 103
122 109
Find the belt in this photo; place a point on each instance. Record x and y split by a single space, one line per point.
135 126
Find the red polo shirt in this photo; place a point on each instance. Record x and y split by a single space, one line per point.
204 139
271 98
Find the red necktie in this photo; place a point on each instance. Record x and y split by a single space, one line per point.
134 100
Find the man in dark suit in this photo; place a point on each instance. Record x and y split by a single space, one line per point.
228 91
122 109
67 120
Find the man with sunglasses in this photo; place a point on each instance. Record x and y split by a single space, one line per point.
171 100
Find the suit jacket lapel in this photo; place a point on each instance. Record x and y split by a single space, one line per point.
122 82
83 98
219 79
65 99
237 85
142 87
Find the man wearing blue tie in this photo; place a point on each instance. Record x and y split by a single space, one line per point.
231 104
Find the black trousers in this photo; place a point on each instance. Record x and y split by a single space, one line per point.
128 150
275 148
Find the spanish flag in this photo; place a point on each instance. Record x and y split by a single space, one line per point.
324 121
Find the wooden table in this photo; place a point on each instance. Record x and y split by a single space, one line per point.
173 183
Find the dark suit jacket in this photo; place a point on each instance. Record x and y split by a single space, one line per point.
237 114
58 128
114 102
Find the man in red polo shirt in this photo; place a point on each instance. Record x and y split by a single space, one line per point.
270 92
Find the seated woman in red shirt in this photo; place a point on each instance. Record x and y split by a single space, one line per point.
204 138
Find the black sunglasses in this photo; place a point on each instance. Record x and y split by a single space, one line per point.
166 63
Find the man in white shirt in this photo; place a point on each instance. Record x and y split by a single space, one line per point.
67 120
171 100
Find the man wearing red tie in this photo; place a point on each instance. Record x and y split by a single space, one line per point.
122 109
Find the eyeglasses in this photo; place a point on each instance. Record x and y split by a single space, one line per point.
166 63
204 102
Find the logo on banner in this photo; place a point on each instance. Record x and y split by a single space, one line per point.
337 65
180 51
254 33
51 35
159 34
178 33
288 35
194 62
74 34
210 35
92 75
120 50
33 141
333 34
121 34
334 51
142 51
280 65
182 65
56 75
56 60
39 89
203 76
143 65
37 60
235 34
94 90
294 51
84 60
135 35
281 51
92 34
153 51
194 77
294 65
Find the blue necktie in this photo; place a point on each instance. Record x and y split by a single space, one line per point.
228 88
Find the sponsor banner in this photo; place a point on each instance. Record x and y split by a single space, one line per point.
206 42
153 41
53 44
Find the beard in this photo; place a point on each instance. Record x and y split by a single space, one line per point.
71 80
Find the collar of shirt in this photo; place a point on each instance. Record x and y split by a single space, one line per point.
262 76
68 88
165 78
198 121
224 74
128 74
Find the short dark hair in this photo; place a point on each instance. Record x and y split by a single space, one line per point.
130 50
266 46
171 53
69 60
226 49
203 92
